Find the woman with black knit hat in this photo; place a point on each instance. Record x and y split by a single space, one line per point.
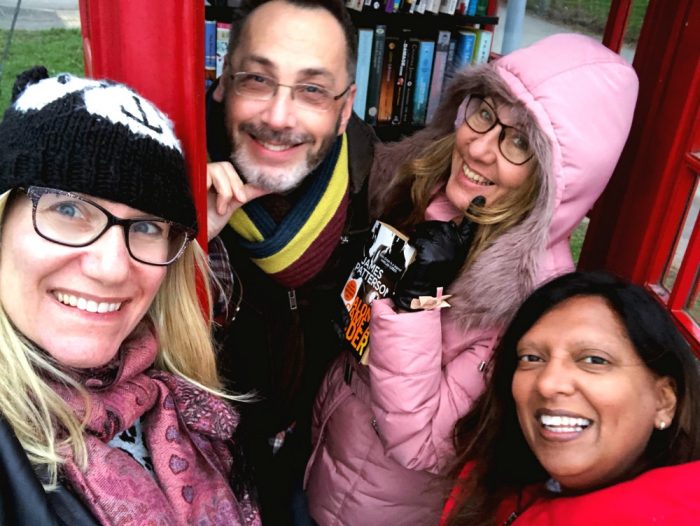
111 411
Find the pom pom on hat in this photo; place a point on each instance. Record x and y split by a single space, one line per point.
99 138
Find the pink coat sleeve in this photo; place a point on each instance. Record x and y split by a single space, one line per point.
415 398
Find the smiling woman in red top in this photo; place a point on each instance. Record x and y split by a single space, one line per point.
591 415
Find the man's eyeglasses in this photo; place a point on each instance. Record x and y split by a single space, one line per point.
481 117
74 221
260 87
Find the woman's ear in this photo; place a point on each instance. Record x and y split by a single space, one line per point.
666 400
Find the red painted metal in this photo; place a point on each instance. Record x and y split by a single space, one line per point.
639 196
618 16
633 229
158 49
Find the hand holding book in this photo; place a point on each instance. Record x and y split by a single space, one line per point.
441 249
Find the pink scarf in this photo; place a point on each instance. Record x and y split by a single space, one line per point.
185 431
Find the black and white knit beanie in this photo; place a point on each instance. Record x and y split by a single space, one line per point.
94 137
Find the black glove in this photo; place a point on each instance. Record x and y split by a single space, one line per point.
441 249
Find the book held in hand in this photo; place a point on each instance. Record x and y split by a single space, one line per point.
385 257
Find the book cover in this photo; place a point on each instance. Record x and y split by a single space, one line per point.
385 256
364 59
410 88
223 30
464 51
422 86
400 88
482 47
390 63
209 52
436 80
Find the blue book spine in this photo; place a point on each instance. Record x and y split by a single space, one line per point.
375 74
420 95
364 59
209 52
464 49
471 7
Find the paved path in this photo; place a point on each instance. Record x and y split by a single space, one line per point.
41 14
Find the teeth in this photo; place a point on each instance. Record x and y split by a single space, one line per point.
87 305
564 424
275 147
475 177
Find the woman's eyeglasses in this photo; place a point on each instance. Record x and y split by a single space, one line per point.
72 220
513 144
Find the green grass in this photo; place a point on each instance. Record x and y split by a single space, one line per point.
60 50
589 15
576 241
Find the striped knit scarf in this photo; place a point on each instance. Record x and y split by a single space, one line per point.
296 249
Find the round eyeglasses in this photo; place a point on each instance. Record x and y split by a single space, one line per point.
513 144
72 220
261 87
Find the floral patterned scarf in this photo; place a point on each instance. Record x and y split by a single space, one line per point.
185 431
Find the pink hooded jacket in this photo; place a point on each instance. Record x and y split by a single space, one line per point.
383 440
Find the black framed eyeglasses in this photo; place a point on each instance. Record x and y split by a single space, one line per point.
261 87
72 220
513 144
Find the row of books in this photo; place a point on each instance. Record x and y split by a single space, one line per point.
216 35
448 7
400 77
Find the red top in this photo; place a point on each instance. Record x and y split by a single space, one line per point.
665 496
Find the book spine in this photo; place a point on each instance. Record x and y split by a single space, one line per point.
400 88
471 7
375 74
482 49
223 30
411 73
364 59
438 76
355 5
448 7
464 51
422 86
433 6
392 52
482 7
209 52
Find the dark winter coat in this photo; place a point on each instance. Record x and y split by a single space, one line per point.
281 354
22 497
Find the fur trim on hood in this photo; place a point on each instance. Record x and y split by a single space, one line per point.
581 96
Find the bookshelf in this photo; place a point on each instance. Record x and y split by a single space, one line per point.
402 27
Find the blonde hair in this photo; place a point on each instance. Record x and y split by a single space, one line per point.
419 177
45 425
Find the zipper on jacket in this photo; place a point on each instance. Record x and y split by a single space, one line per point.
292 295
375 425
511 519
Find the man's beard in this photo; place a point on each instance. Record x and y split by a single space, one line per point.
279 180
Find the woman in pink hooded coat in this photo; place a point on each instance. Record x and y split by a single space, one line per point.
537 133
